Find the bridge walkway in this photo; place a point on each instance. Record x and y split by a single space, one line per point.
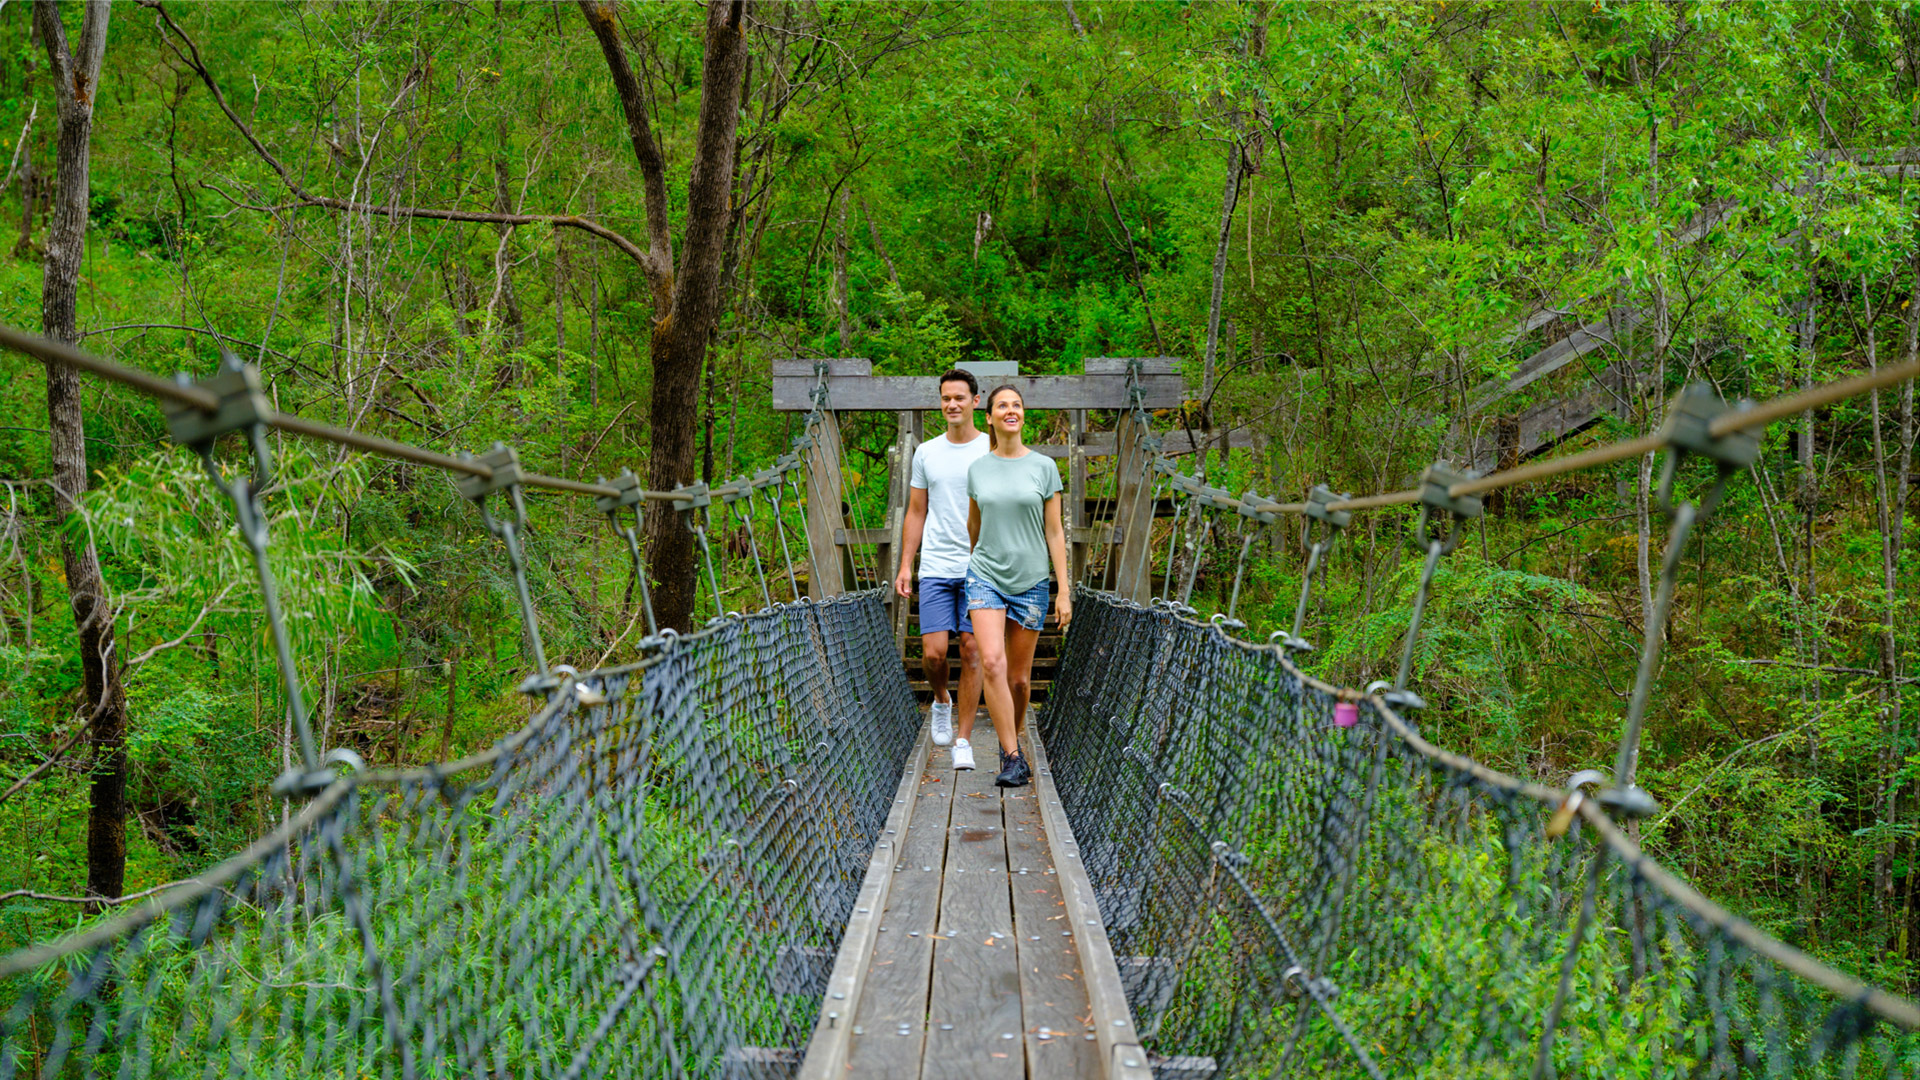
976 949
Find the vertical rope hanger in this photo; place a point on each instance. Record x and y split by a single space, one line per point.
506 476
1687 433
628 486
1437 540
244 407
1331 522
743 493
1247 509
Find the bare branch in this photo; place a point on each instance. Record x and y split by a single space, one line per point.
601 19
29 894
192 627
304 198
58 755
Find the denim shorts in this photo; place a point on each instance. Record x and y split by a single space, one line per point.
1029 609
943 605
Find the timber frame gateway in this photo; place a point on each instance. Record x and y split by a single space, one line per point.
1120 523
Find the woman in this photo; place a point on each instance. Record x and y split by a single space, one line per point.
1014 523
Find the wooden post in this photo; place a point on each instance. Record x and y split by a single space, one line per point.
824 521
899 490
1133 557
1078 549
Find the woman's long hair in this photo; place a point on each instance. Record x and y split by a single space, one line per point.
993 439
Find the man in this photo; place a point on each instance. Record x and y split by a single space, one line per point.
937 513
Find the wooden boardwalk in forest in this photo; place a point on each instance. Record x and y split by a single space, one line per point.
976 948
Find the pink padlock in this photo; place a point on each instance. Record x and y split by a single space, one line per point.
1345 714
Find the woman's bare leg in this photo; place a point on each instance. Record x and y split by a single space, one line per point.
990 637
1020 645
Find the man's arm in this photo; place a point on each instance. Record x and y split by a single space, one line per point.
973 524
915 524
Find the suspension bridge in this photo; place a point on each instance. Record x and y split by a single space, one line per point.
740 857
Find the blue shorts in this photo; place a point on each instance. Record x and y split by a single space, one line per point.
1029 609
943 606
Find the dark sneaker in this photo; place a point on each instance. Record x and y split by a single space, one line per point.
1013 770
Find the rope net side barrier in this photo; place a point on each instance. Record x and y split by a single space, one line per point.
650 879
1295 884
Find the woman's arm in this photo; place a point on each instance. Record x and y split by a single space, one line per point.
973 524
1057 548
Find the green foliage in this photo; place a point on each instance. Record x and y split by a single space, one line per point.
1420 178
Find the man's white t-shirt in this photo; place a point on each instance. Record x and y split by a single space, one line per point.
940 469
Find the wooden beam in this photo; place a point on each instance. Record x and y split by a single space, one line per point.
892 393
1173 443
825 575
1548 424
1594 335
1076 507
852 386
898 492
1555 356
1131 560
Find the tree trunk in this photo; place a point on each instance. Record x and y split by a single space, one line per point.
1891 496
681 331
76 81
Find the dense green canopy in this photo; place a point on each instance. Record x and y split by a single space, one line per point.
1353 223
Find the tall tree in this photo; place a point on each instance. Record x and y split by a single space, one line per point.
686 298
76 81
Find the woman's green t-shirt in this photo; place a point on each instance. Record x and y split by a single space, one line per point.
1011 554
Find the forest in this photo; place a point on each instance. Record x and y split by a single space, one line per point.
1374 234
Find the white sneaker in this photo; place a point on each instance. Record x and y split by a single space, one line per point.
942 723
962 754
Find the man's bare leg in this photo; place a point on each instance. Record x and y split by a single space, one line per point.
968 701
933 663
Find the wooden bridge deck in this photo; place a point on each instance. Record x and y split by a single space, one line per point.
976 948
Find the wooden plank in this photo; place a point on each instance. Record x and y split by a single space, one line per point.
790 367
833 1031
1117 365
826 571
986 371
1053 991
893 999
1133 516
891 393
898 492
1594 335
1172 443
1076 507
974 1020
1106 994
803 369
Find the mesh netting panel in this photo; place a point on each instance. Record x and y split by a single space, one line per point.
1290 896
650 885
